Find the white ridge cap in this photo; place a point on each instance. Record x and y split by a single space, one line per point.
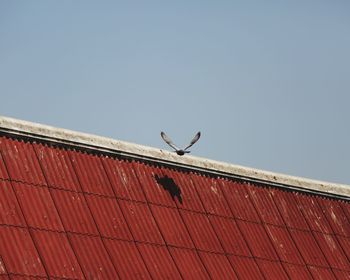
53 134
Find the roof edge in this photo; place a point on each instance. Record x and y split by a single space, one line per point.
60 135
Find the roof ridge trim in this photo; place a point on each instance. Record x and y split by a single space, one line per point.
65 136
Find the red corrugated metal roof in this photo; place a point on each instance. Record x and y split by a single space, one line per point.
68 213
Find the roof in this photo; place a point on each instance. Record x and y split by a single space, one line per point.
77 206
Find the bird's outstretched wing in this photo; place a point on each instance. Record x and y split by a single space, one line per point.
168 141
194 140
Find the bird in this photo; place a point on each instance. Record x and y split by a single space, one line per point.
179 151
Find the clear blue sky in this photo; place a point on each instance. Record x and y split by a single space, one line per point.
267 82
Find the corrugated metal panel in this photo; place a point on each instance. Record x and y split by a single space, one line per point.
57 167
10 212
297 271
341 274
189 264
21 161
189 197
245 268
258 240
313 213
57 254
218 266
123 179
172 227
335 216
308 248
159 262
22 277
321 273
284 244
155 192
230 236
3 171
332 251
141 222
289 209
346 207
93 257
74 212
345 244
265 205
272 270
202 233
108 217
127 259
4 277
19 253
38 206
239 201
211 195
91 173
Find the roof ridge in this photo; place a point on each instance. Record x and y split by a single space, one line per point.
60 135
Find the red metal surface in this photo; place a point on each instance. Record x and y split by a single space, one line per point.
341 274
189 197
38 206
189 264
201 231
91 173
265 205
218 266
321 273
245 268
155 192
57 167
123 179
127 259
10 212
108 217
308 248
239 201
335 216
297 271
57 254
272 270
159 262
171 226
21 161
333 252
258 240
284 244
142 224
230 236
93 257
3 170
313 213
19 253
211 195
104 218
74 212
288 207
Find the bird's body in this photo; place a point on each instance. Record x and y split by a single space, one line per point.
179 151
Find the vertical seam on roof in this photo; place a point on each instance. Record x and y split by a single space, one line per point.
25 220
335 235
189 234
289 232
158 227
240 231
122 211
58 213
263 225
318 245
207 215
92 216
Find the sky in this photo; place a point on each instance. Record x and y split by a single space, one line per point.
266 82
